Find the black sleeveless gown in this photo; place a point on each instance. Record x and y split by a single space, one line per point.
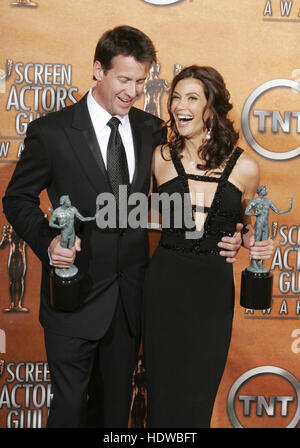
188 307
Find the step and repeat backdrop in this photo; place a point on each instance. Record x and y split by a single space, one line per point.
46 60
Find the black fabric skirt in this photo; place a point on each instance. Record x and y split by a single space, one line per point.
188 307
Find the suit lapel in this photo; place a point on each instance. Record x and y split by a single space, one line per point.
142 139
85 146
137 136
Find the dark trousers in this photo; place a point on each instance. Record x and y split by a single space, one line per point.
100 370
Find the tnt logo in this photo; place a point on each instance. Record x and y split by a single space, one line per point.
264 397
271 119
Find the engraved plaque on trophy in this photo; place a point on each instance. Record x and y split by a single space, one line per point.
257 281
66 283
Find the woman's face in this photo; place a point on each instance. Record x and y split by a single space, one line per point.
187 104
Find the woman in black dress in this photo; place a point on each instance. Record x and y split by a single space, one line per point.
189 289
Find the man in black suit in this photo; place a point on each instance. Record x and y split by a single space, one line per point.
68 152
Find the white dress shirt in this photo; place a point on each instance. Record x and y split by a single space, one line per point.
100 117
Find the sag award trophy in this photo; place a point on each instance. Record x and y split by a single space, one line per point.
65 283
257 281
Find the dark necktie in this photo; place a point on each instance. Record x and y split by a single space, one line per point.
117 167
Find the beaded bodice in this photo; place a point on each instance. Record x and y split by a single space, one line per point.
218 219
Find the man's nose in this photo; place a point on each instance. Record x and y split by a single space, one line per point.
132 90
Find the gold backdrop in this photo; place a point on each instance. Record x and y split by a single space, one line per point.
46 60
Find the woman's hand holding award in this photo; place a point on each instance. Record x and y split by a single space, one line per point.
257 281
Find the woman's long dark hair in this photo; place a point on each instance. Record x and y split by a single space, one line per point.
223 136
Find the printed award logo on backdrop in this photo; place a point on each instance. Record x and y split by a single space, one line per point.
295 347
286 8
154 89
2 342
265 120
286 259
37 89
25 3
4 75
25 391
16 267
243 404
162 2
2 350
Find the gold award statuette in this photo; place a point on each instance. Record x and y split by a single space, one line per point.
257 281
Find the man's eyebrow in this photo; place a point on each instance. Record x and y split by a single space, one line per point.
128 78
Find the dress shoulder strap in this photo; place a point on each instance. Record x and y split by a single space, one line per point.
177 163
231 162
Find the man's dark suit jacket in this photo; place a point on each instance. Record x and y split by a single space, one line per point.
62 155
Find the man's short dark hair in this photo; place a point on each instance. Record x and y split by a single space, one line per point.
125 41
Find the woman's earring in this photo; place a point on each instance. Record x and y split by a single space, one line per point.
208 135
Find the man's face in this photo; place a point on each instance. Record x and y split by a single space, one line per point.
187 106
118 88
